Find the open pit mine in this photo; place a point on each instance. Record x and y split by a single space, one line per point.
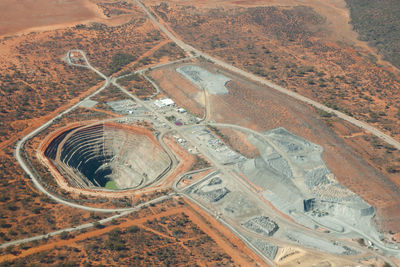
107 156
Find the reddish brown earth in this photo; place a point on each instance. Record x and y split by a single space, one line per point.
36 146
185 160
33 67
337 24
32 15
28 16
63 183
295 48
35 80
354 169
185 94
259 108
35 85
304 50
171 227
237 141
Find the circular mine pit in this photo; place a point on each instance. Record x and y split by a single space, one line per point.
107 156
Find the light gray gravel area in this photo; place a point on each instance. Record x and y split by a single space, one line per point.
268 249
88 103
213 195
218 149
316 177
288 172
262 225
213 83
239 206
125 106
320 244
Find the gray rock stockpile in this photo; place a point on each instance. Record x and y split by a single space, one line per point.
262 225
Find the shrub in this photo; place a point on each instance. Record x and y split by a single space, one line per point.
98 225
392 169
133 229
120 60
64 235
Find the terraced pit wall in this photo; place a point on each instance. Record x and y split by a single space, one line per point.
91 156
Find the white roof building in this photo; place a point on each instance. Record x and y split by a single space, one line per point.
167 101
164 102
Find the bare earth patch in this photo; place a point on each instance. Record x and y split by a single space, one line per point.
33 15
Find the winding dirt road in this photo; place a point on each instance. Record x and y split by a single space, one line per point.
20 144
108 80
191 50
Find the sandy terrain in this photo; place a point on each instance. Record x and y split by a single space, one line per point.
31 124
294 257
268 112
62 182
211 238
238 142
26 16
293 47
253 106
185 93
246 105
337 26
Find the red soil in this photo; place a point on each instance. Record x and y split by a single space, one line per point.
220 230
33 123
260 108
183 91
33 15
93 233
186 160
62 181
222 240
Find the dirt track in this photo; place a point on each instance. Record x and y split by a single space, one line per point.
275 88
90 192
221 236
189 49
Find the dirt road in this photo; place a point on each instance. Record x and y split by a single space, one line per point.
191 50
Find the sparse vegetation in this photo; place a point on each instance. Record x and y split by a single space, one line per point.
31 81
328 72
155 242
392 169
120 60
200 163
378 23
325 114
171 118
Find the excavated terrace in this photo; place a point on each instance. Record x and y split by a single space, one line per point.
107 155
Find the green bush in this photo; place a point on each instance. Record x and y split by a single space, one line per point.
133 229
120 60
378 22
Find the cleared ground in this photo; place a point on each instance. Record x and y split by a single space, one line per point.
173 232
274 167
259 108
286 170
94 156
36 15
289 174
